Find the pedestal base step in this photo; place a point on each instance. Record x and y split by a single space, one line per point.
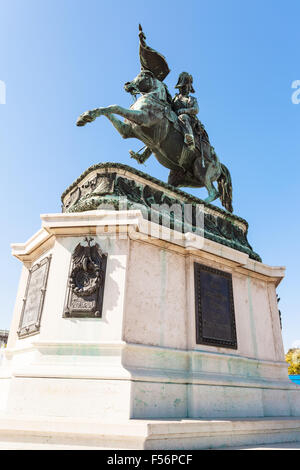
280 446
186 434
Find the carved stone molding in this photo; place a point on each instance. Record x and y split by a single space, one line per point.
110 184
86 281
33 301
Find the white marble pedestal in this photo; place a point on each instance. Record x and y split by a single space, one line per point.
102 381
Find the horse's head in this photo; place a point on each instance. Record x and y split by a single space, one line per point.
143 83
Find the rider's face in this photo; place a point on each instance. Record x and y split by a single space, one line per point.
185 90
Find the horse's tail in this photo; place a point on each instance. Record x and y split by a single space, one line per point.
225 188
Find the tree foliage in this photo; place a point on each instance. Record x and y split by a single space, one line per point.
293 359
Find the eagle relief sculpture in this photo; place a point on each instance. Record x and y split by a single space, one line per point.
86 281
168 127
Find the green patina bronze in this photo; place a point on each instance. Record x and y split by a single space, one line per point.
168 127
117 186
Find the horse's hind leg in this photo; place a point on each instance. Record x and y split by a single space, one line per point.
183 178
206 176
213 194
210 176
176 178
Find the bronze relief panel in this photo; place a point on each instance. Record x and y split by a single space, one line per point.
33 301
215 316
86 281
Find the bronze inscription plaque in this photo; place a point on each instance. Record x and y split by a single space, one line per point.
34 298
215 318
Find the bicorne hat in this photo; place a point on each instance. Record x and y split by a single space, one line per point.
185 79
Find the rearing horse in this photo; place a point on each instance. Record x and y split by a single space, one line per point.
152 120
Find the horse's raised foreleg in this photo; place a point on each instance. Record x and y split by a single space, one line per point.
124 129
141 118
138 117
88 116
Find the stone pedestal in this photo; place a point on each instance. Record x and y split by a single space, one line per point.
138 355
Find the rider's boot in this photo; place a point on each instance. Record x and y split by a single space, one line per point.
189 140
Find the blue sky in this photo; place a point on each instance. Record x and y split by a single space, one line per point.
62 57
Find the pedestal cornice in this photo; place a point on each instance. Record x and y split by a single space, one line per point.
132 224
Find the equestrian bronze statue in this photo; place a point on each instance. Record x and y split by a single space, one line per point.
168 127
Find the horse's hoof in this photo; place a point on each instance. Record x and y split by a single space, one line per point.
80 122
133 154
136 156
84 118
87 117
212 197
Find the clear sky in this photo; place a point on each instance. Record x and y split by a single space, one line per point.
62 57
